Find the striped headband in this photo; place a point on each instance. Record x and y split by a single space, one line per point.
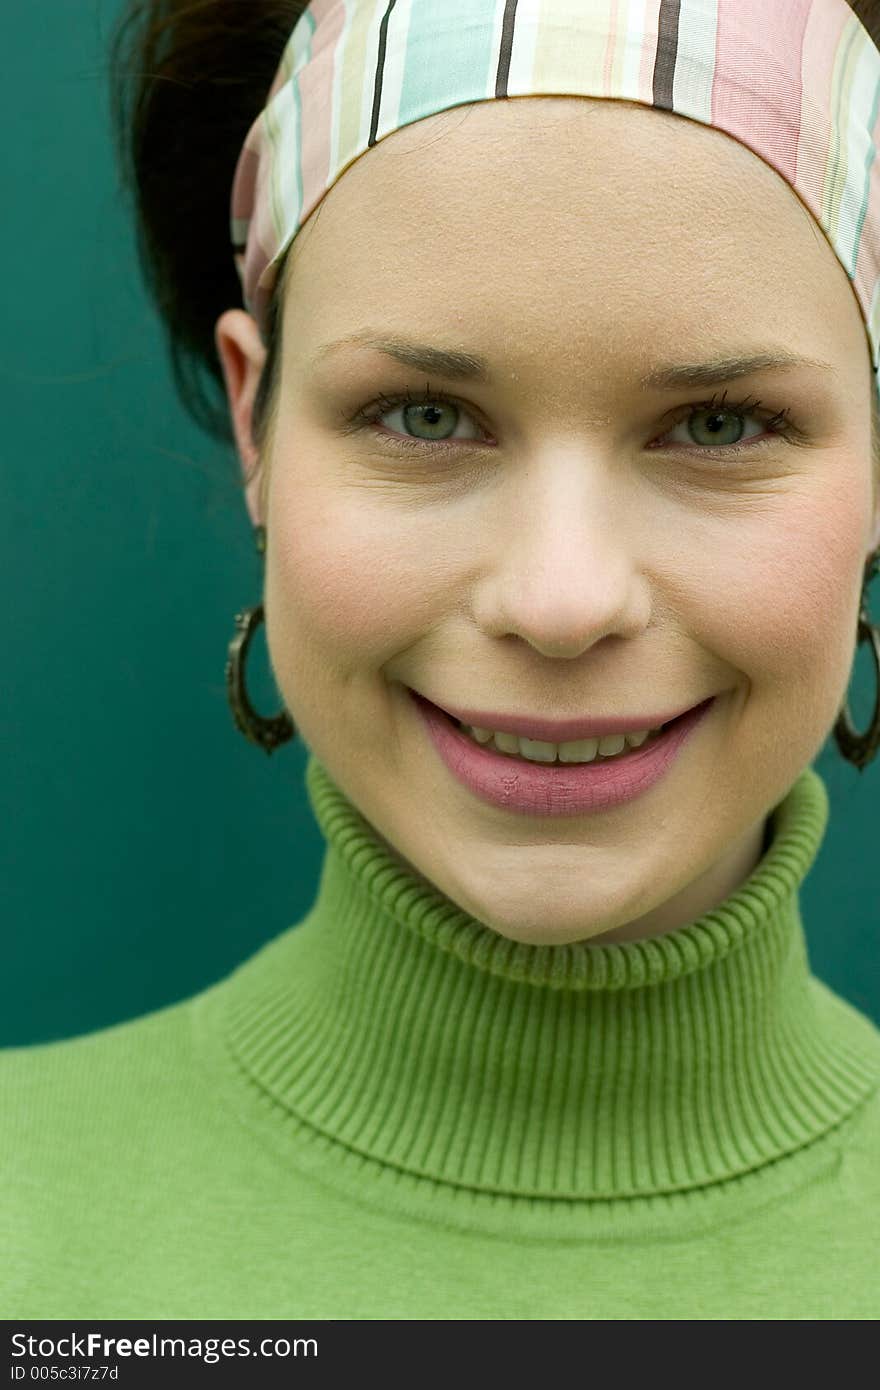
797 81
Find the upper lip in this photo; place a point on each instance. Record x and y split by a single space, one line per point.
556 730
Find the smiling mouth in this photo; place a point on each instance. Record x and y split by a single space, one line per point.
567 754
661 728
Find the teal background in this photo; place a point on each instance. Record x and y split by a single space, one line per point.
146 847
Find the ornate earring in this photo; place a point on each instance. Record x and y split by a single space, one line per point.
267 732
857 748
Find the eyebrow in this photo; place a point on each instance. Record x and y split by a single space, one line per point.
460 366
721 369
465 366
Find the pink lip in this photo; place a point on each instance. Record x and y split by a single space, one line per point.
554 789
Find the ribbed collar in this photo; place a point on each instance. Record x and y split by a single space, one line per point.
392 1022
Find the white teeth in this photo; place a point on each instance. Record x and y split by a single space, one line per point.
536 750
636 740
481 735
612 743
582 750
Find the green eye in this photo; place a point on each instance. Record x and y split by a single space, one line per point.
430 418
424 418
710 427
724 425
439 419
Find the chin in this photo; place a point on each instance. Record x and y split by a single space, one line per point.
551 936
565 928
545 905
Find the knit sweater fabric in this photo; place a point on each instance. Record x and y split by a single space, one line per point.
390 1111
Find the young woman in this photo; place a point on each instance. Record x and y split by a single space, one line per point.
558 427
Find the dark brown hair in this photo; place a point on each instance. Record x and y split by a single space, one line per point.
188 77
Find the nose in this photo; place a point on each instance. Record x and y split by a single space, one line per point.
565 568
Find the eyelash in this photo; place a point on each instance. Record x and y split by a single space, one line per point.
779 423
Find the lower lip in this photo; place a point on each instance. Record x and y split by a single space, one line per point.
555 789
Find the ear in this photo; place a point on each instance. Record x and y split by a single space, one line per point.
242 356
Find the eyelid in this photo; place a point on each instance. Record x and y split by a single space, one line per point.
746 406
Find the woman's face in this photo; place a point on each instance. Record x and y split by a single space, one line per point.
558 540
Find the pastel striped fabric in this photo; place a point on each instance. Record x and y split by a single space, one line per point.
797 81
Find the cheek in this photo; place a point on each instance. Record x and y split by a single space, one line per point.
349 573
792 593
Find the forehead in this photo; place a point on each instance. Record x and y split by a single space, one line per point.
591 221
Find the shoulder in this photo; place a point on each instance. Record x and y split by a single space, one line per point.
93 1113
80 1111
95 1132
61 1082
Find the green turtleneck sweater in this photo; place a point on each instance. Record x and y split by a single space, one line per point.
390 1111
